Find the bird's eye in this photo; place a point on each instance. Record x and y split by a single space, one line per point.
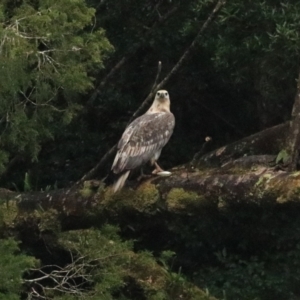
166 94
158 93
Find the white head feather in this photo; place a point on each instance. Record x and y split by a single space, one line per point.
161 102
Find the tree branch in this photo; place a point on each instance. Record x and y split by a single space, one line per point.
107 155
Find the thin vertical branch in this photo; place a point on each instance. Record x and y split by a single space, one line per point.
293 143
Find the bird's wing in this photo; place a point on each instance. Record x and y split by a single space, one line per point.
144 137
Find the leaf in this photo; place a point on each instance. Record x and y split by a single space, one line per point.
282 157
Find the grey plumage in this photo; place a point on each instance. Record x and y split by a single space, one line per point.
144 138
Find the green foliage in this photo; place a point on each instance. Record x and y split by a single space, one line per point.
282 157
256 45
27 184
103 266
240 78
243 69
106 248
273 276
49 52
13 265
242 252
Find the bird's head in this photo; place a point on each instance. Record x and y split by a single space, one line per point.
162 96
161 102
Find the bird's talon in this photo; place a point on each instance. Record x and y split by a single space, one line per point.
155 171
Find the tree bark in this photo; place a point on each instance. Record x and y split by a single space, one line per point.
293 144
183 191
269 141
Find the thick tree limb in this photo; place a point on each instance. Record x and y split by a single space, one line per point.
269 141
237 178
187 193
79 200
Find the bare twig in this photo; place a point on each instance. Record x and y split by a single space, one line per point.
69 279
40 104
156 78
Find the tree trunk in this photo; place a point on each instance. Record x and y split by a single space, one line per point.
269 141
293 141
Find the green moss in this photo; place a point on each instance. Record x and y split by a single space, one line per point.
147 272
141 199
289 196
179 199
282 188
44 221
146 195
263 179
90 187
86 192
159 283
48 220
8 213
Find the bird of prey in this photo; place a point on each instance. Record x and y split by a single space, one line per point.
144 138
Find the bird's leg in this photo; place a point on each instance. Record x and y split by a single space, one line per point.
157 168
142 175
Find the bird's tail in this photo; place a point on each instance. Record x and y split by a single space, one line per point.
120 182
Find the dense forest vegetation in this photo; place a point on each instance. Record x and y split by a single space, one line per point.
73 73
